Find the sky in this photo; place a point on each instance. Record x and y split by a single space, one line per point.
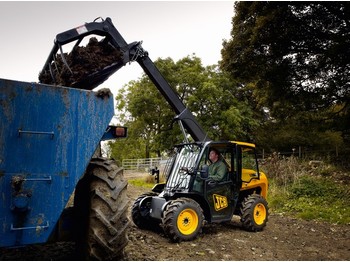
168 29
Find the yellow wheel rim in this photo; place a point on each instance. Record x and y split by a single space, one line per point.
259 214
187 221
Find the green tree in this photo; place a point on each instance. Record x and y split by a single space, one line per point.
131 147
206 91
294 58
294 52
142 108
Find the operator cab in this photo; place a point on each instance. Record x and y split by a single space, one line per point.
239 158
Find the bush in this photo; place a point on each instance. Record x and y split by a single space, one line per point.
284 171
307 192
317 187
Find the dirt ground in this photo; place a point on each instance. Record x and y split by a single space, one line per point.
284 238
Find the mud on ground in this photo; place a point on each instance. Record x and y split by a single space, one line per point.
284 238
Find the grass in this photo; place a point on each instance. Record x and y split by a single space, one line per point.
146 181
140 182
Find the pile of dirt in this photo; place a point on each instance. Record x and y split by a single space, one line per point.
82 61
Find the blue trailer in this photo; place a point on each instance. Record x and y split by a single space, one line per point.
48 138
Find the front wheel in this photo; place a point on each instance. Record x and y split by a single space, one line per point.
183 219
254 213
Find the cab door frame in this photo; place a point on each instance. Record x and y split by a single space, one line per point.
220 195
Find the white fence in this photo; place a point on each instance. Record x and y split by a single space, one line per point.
143 164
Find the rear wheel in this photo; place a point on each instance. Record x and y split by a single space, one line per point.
254 213
101 211
140 212
183 219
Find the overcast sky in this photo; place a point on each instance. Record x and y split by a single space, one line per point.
167 29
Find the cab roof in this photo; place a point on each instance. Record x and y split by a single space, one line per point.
243 143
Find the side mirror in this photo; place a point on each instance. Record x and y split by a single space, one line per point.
204 172
155 171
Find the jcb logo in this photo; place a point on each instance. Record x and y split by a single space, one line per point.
220 202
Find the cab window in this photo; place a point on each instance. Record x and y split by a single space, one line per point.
249 165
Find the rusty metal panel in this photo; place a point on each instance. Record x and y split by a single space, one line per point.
48 135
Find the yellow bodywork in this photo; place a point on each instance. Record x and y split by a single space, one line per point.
250 180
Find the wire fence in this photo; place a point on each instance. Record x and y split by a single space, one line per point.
303 152
142 164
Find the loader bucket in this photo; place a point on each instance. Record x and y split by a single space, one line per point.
84 67
88 66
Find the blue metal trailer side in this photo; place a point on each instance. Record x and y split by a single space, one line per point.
48 135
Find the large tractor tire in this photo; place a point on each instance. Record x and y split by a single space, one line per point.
140 212
254 213
101 211
183 219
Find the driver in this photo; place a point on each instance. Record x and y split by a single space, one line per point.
217 168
